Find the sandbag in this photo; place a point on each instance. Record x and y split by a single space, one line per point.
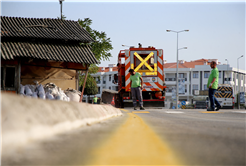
40 89
49 96
51 88
41 95
73 94
32 87
22 89
35 95
28 90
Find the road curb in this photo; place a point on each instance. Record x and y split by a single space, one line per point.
27 119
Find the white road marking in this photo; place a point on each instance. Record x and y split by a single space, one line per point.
174 112
244 112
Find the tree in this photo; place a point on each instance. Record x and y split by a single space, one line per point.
90 85
102 44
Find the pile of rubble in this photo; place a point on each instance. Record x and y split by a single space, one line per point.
49 91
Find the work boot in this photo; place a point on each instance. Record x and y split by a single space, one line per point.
135 108
142 108
210 109
219 107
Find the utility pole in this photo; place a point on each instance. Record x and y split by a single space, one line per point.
177 69
61 7
239 87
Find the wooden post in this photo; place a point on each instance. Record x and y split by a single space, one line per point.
18 76
77 80
82 93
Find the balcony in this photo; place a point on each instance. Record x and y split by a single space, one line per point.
170 90
173 79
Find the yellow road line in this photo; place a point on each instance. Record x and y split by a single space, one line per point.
211 112
134 143
140 112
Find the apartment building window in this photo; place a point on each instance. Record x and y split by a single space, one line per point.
195 74
98 80
205 87
181 75
109 77
227 79
195 87
206 74
219 74
110 87
98 90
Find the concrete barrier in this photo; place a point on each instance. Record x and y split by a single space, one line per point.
28 119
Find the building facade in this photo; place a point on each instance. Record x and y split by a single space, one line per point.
194 76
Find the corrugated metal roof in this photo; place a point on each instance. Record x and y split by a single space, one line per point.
47 51
44 28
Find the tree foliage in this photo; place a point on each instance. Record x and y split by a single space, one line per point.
93 69
90 85
102 46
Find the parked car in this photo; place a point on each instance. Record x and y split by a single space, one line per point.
201 105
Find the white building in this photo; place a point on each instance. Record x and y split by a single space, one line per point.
194 73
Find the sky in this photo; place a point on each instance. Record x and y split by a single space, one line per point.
216 28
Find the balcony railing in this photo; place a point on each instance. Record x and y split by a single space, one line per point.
170 79
173 79
170 90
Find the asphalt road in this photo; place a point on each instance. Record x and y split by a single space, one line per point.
150 137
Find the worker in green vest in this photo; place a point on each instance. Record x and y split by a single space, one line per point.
213 86
95 99
136 82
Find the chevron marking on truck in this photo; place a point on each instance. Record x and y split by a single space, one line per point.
143 62
157 72
224 92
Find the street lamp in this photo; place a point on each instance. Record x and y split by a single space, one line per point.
238 82
61 7
177 70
